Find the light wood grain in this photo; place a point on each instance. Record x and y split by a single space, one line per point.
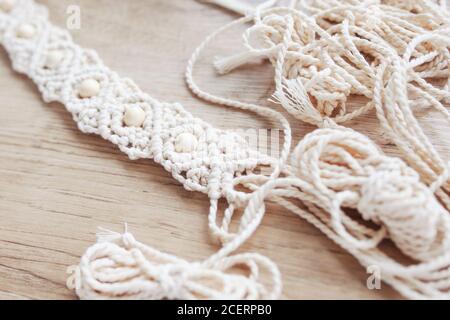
58 185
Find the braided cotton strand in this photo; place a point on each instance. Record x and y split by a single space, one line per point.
199 156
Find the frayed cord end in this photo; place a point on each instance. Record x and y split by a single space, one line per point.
105 235
228 64
291 94
232 5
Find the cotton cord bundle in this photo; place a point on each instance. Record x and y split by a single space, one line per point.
119 267
386 53
380 52
345 169
334 170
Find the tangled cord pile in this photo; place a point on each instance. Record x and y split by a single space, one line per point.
336 178
388 54
124 268
394 54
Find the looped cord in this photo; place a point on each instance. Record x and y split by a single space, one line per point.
199 156
253 217
119 267
341 51
318 65
349 170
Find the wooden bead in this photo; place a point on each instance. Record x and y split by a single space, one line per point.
26 31
89 88
54 58
186 143
7 5
134 117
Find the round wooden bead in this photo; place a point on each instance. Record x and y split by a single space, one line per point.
7 5
134 117
54 58
26 31
89 88
185 143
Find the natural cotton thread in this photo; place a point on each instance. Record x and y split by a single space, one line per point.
331 171
380 52
199 156
386 53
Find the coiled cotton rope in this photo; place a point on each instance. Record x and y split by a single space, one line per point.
119 267
387 53
332 170
339 53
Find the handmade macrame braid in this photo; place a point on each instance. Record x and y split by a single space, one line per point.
331 171
199 156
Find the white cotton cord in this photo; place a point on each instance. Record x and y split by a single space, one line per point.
334 169
441 179
202 158
291 94
391 195
263 111
233 5
241 6
419 152
119 267
335 178
228 64
255 208
331 67
382 173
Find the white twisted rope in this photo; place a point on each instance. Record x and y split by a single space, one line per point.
339 53
199 156
331 171
241 7
383 53
119 267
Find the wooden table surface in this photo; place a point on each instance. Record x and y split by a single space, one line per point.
58 185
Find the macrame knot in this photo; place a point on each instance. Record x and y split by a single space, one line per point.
119 267
347 171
